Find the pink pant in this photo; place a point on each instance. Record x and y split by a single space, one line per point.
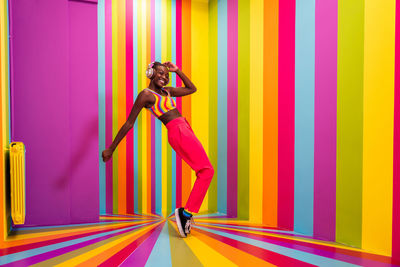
188 147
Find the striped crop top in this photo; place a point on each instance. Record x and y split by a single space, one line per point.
162 105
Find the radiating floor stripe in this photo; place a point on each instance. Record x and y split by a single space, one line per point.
299 255
160 255
154 241
180 252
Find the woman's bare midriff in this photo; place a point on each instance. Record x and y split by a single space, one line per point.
169 116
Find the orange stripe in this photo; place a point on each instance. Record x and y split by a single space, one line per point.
121 107
148 137
186 101
270 149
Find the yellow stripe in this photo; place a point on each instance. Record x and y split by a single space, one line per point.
3 86
379 40
199 14
205 254
164 185
144 114
256 112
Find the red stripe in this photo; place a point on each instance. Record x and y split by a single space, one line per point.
396 146
129 104
287 13
266 255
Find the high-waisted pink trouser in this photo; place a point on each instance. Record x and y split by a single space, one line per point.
188 147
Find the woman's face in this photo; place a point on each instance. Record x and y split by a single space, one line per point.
162 76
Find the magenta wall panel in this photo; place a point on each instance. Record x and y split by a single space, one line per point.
54 107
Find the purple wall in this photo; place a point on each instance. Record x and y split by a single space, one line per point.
54 107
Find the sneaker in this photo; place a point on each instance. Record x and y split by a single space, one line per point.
184 223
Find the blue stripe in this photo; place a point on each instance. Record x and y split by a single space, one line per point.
304 117
161 253
102 103
135 127
173 59
158 124
222 105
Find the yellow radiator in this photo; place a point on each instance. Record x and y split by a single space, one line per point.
17 171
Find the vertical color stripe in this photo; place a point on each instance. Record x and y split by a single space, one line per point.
304 117
200 100
121 109
325 119
102 104
377 194
232 105
270 116
243 117
287 10
256 112
349 121
396 145
129 104
135 93
221 170
213 101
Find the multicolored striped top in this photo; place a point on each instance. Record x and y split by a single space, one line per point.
162 105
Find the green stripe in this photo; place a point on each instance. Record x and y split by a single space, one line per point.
213 102
181 254
243 108
350 122
115 104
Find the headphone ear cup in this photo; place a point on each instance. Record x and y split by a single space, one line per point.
150 73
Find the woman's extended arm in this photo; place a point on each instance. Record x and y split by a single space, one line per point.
180 91
140 102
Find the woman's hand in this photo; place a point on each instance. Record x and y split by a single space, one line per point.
171 66
107 154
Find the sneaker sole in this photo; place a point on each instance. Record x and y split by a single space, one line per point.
179 224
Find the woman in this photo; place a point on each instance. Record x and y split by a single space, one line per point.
157 99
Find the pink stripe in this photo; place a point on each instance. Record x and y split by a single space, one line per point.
325 119
153 30
396 146
153 134
108 78
287 13
178 100
232 123
129 104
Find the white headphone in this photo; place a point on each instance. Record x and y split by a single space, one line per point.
150 71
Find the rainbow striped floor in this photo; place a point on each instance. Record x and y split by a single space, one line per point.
144 240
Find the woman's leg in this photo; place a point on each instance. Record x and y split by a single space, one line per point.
187 146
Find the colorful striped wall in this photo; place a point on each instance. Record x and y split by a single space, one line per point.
295 107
